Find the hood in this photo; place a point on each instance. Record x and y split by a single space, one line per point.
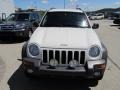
64 37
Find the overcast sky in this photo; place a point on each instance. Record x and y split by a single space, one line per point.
84 4
7 6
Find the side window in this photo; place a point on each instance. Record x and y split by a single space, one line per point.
36 16
12 17
32 17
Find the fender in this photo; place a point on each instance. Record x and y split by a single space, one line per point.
90 64
24 53
104 53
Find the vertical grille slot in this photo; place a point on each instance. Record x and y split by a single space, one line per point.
82 58
63 57
69 56
76 55
57 56
44 56
51 55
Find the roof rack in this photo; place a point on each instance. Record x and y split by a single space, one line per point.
52 8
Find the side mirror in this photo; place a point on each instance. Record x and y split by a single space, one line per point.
3 17
95 26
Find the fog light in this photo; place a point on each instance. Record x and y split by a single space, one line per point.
53 62
73 63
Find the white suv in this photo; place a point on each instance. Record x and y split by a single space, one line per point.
65 44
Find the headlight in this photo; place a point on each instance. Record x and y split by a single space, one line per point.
34 50
94 51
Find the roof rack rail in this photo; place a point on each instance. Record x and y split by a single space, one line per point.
78 8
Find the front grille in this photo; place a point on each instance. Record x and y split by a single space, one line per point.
63 56
7 27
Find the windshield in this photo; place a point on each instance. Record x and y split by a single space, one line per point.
65 19
18 17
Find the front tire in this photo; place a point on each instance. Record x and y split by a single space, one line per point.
99 78
96 78
27 74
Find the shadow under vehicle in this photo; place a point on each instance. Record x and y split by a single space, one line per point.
18 81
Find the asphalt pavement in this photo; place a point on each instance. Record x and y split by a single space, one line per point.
2 68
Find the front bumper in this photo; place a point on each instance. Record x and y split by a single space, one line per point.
10 33
92 69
